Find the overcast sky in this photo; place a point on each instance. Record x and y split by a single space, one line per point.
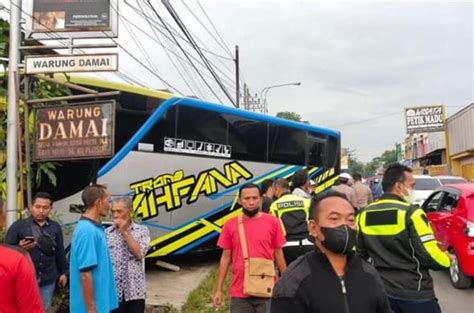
360 62
356 60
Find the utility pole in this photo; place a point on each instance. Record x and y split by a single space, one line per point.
237 77
245 97
12 118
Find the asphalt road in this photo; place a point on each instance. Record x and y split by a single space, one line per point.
194 268
452 300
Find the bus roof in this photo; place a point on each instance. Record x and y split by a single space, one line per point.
102 83
165 106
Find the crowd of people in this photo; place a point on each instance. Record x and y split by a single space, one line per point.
106 267
340 251
289 251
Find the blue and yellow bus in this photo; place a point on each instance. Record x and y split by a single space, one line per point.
183 160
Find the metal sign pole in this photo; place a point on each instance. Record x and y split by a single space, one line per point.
446 141
26 121
12 119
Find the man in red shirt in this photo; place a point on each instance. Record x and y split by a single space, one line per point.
265 239
19 290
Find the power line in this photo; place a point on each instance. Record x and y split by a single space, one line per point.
214 27
178 35
207 30
172 61
175 16
142 50
50 33
220 37
166 49
184 52
138 60
380 116
368 120
221 43
144 66
168 28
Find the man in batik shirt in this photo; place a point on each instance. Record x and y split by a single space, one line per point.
128 245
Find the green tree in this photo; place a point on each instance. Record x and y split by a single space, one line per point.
372 167
4 46
382 161
355 166
292 116
41 171
388 157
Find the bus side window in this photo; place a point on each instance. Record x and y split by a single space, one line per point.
165 127
286 145
201 125
316 151
248 138
333 153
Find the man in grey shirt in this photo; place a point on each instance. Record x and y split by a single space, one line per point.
344 188
362 191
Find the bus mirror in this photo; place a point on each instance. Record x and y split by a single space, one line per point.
76 208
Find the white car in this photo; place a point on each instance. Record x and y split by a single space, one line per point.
425 185
445 180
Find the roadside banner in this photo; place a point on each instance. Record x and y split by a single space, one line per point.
424 119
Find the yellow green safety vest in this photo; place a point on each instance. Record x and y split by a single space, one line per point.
293 212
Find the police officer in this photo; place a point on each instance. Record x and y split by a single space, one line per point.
293 211
398 238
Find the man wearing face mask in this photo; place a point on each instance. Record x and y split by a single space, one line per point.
332 278
263 239
398 238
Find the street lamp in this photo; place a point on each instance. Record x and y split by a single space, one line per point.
264 92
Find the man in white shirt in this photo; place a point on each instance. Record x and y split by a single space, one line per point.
128 244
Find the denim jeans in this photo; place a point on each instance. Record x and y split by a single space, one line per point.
249 305
47 294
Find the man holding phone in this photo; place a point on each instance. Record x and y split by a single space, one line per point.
43 239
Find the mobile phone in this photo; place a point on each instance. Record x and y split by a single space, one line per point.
29 239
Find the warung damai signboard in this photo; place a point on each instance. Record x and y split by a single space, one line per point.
424 119
78 131
100 62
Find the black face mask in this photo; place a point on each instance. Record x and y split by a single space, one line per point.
250 213
339 239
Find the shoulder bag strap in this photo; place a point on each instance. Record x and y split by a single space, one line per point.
243 241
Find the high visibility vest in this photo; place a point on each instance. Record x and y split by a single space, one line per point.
293 212
399 239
